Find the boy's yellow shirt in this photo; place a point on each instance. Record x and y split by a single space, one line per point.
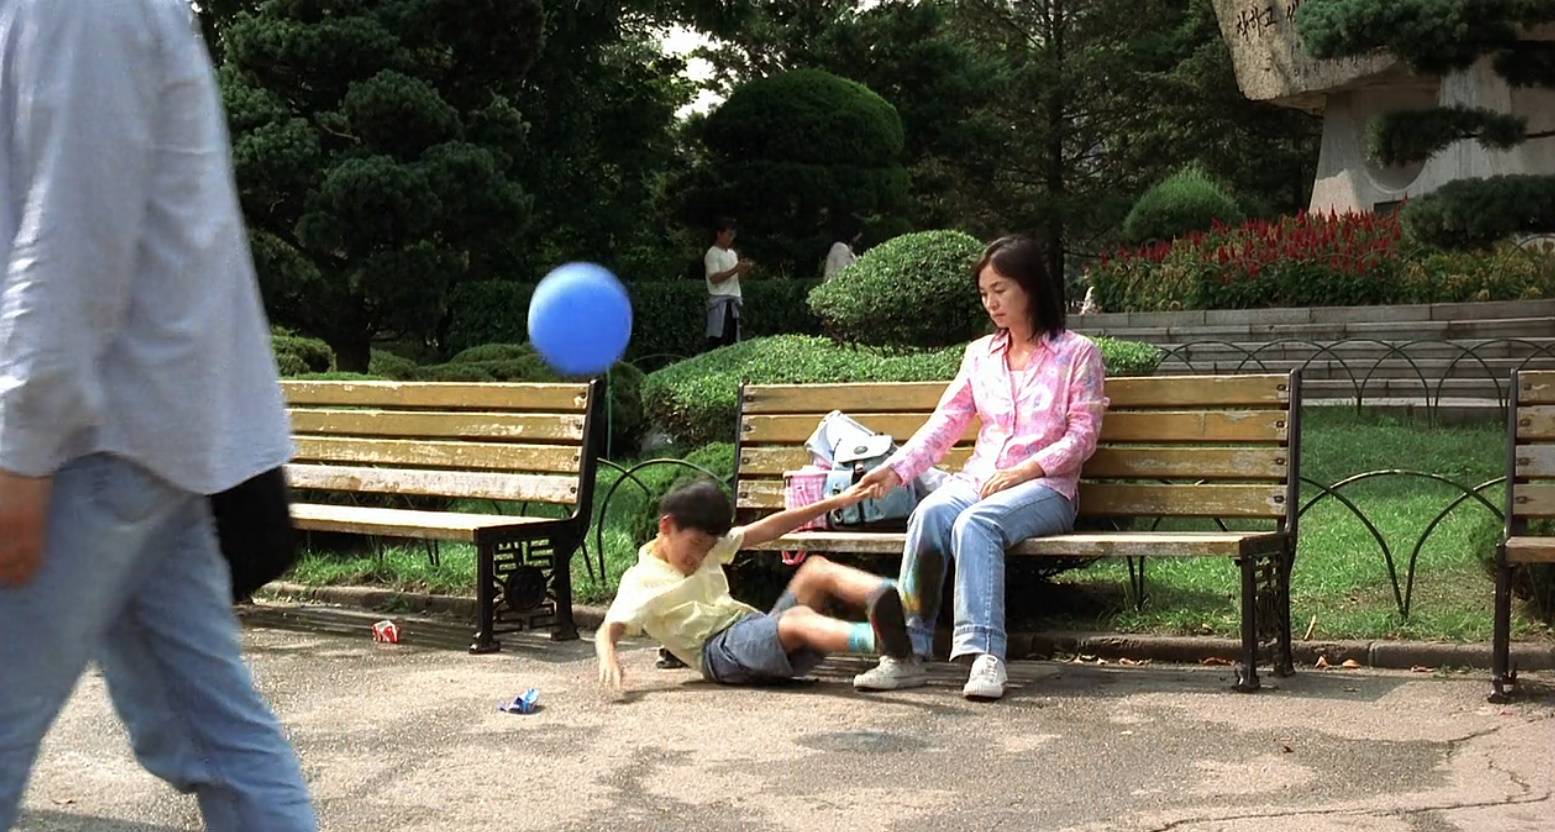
679 611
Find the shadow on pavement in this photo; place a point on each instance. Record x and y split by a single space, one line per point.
50 821
415 632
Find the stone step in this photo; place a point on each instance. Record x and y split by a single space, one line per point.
1322 367
1448 411
1532 327
1377 388
1317 315
1360 349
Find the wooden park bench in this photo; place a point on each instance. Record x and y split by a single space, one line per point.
363 446
1530 496
1225 447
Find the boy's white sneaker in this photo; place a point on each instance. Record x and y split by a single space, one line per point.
893 674
987 680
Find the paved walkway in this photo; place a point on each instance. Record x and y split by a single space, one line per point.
408 737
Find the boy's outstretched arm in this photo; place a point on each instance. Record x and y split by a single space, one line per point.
774 526
605 648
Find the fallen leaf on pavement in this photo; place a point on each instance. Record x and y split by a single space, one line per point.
1420 668
1132 662
1351 664
1287 749
1322 663
1216 661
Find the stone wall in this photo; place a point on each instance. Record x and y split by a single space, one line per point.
1271 64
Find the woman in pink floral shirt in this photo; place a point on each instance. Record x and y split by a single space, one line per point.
1036 390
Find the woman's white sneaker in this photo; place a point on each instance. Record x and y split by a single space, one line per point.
987 680
893 674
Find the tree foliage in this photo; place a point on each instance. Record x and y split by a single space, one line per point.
797 156
374 144
1476 213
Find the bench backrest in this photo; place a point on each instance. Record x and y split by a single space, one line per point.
1531 450
509 442
1186 446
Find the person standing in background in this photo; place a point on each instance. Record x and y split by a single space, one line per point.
136 378
723 268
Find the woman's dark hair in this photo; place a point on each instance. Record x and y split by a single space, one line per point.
699 504
1024 261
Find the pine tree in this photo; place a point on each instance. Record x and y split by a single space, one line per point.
373 141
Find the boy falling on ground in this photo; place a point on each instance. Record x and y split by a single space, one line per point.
678 595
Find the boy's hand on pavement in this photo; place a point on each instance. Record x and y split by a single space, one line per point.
24 510
610 674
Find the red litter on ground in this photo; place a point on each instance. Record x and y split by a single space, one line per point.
386 632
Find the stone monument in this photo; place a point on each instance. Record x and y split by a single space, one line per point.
1272 65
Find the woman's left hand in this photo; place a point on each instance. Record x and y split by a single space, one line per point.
1008 478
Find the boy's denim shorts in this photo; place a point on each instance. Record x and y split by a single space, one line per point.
748 651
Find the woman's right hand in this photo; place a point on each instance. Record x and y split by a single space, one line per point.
879 482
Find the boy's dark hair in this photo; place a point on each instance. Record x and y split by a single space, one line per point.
699 504
723 224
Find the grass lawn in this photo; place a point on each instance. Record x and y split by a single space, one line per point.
1340 577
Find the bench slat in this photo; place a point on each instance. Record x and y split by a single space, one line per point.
1114 461
1536 423
460 484
1080 544
794 430
1534 499
561 398
1110 499
1536 387
1199 391
1135 462
820 399
897 397
1536 461
1115 500
1196 426
1126 426
550 459
431 425
771 461
1530 549
393 522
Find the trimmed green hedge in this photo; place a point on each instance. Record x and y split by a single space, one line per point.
296 355
790 154
389 365
913 291
1186 201
669 317
697 401
1477 213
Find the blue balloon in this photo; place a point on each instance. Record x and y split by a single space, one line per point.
580 319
